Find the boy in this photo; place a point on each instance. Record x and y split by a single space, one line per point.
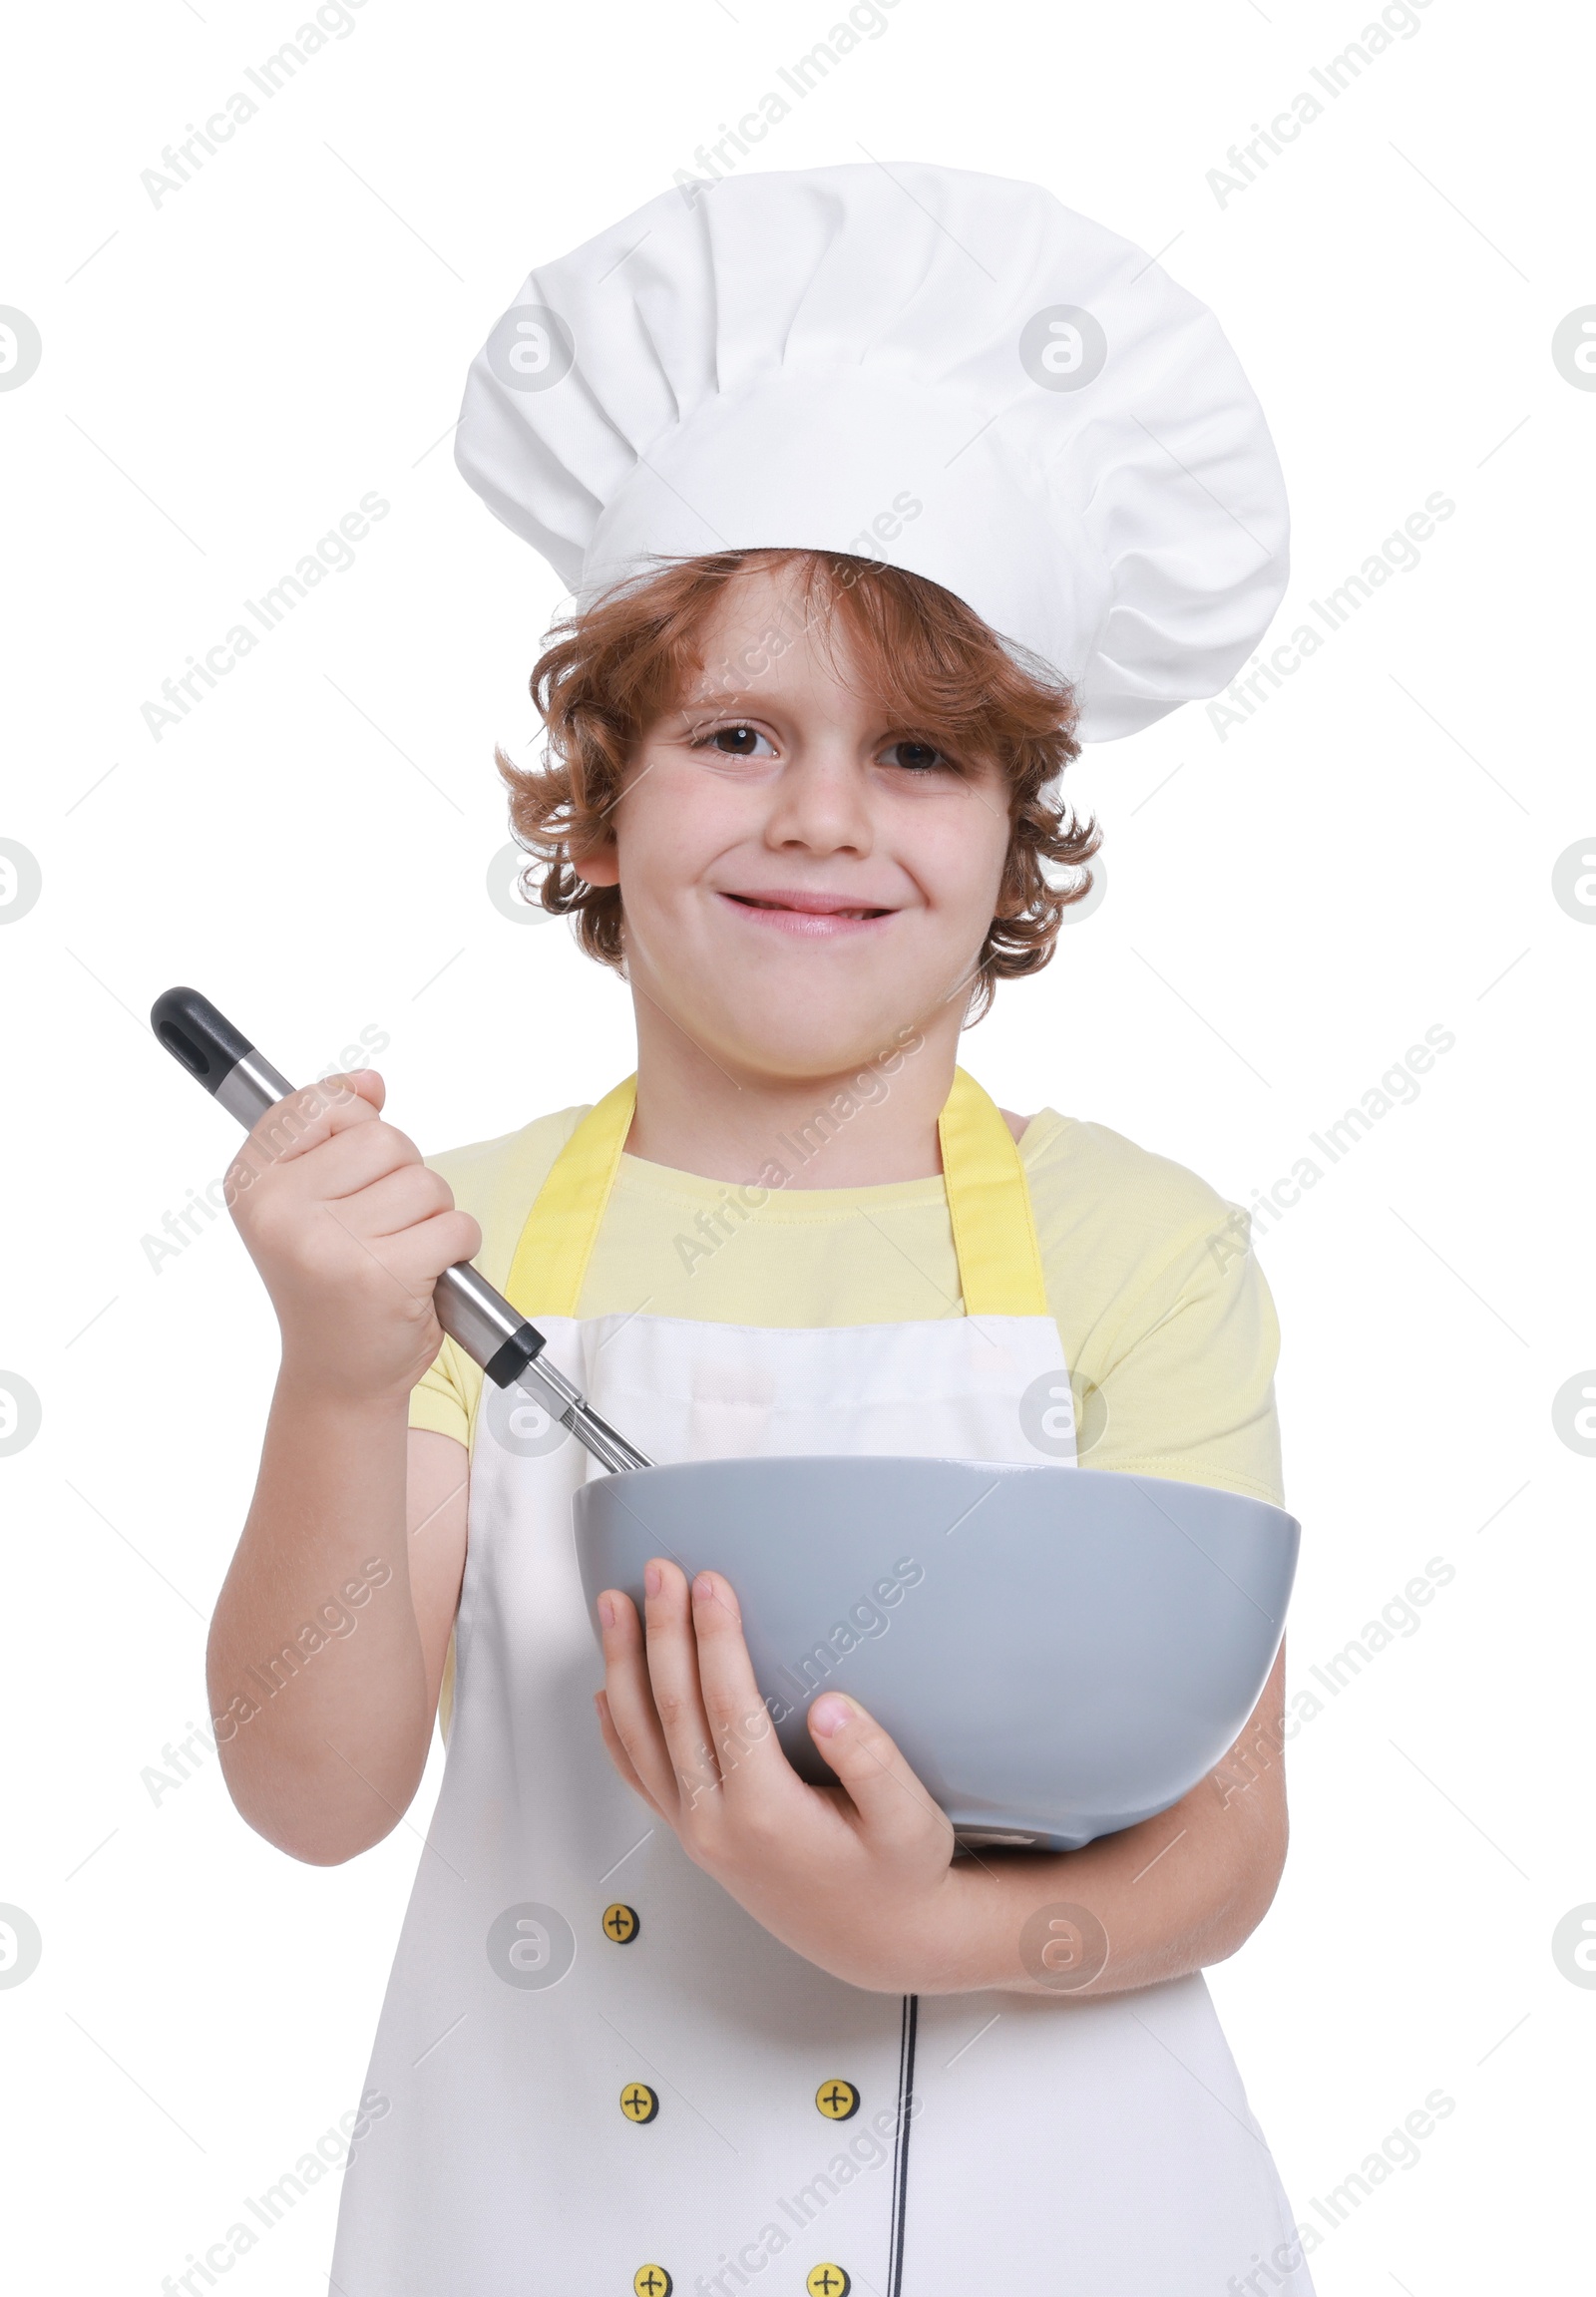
803 799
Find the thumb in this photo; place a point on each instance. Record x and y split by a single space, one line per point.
869 1765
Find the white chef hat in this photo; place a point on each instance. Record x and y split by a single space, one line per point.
946 371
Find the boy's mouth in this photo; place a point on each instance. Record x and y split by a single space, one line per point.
813 916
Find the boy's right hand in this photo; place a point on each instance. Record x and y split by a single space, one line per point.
350 1232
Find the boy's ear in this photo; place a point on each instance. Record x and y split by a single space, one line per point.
600 866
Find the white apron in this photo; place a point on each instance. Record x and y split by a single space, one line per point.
594 2074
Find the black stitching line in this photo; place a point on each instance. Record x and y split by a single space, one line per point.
899 2166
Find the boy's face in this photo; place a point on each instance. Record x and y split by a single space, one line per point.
800 877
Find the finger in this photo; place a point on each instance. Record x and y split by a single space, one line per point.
292 1127
892 1804
617 1753
393 1257
356 1155
672 1654
743 1736
394 1198
629 1700
419 1255
411 1220
303 1120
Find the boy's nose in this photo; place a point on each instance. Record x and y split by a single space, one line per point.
821 801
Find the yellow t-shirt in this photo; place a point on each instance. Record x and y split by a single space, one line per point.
1167 1324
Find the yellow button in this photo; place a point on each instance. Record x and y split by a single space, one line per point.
827 2281
838 2101
652 2281
621 1923
638 2103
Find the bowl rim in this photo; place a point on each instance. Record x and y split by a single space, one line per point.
1117 1476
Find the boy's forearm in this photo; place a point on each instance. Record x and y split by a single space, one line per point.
1163 1898
1170 1896
315 1667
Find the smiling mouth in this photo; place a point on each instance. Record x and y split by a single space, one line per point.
821 908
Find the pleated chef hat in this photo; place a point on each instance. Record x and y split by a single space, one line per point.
946 371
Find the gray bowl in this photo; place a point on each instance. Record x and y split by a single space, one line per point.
1058 1651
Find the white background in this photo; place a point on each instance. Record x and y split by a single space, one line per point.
223 377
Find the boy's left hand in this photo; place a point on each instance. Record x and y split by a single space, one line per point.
858 1878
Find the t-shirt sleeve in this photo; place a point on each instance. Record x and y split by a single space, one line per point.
1168 1323
442 1399
439 1398
495 1181
1187 1388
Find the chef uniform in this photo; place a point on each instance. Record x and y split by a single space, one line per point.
595 2072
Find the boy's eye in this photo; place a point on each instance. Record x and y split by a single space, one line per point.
736 742
915 757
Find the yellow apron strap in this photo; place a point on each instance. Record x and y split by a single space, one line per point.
546 1276
994 1235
